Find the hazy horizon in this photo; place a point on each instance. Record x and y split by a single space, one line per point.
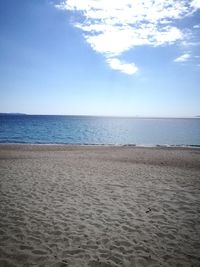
90 115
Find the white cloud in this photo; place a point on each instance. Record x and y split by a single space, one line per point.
195 4
116 64
196 26
183 58
112 27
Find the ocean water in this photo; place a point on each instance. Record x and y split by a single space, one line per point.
42 129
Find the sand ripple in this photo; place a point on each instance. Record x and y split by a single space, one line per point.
99 208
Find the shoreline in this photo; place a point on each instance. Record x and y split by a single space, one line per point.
99 206
104 145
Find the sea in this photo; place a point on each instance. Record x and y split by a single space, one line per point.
89 130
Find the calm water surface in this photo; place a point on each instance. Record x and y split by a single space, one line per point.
36 129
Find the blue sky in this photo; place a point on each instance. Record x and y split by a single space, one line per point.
121 58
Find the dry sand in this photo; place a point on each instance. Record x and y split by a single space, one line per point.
99 206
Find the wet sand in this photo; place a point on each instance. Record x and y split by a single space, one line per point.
99 206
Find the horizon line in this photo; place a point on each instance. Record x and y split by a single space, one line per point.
108 116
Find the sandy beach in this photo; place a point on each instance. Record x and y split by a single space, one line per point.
99 206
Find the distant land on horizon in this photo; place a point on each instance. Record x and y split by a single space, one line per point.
11 113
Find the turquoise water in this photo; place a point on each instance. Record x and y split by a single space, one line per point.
37 129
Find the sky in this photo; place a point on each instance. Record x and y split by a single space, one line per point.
100 57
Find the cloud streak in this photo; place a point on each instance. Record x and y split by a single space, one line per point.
116 26
183 58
